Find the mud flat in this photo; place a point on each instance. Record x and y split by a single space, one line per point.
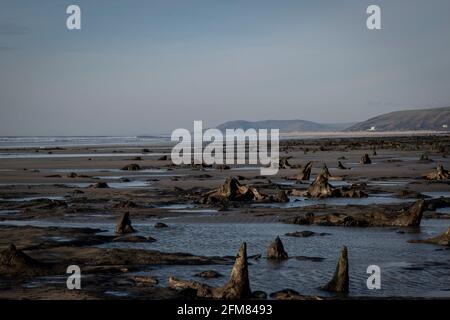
60 206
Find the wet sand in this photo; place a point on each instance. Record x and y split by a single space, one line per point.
37 188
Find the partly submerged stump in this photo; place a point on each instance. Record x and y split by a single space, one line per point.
276 251
411 216
340 281
99 185
131 167
425 158
238 287
306 172
439 174
365 159
341 166
124 225
442 240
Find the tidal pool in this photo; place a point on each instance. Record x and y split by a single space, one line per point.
407 270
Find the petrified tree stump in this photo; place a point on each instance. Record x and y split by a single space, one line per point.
341 166
284 163
281 197
424 157
14 261
306 172
439 174
340 281
232 190
276 251
238 287
124 224
372 217
131 167
325 172
442 240
365 159
320 188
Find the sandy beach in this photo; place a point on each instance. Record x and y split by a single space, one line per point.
60 206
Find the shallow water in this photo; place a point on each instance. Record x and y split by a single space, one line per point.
388 182
419 270
334 183
118 294
113 185
437 194
296 202
443 210
87 170
8 212
67 141
74 155
177 206
25 199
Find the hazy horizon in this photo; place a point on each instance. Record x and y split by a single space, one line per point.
146 67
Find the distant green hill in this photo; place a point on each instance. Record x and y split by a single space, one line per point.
437 119
425 119
284 125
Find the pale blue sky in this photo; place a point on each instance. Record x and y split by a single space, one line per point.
141 67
